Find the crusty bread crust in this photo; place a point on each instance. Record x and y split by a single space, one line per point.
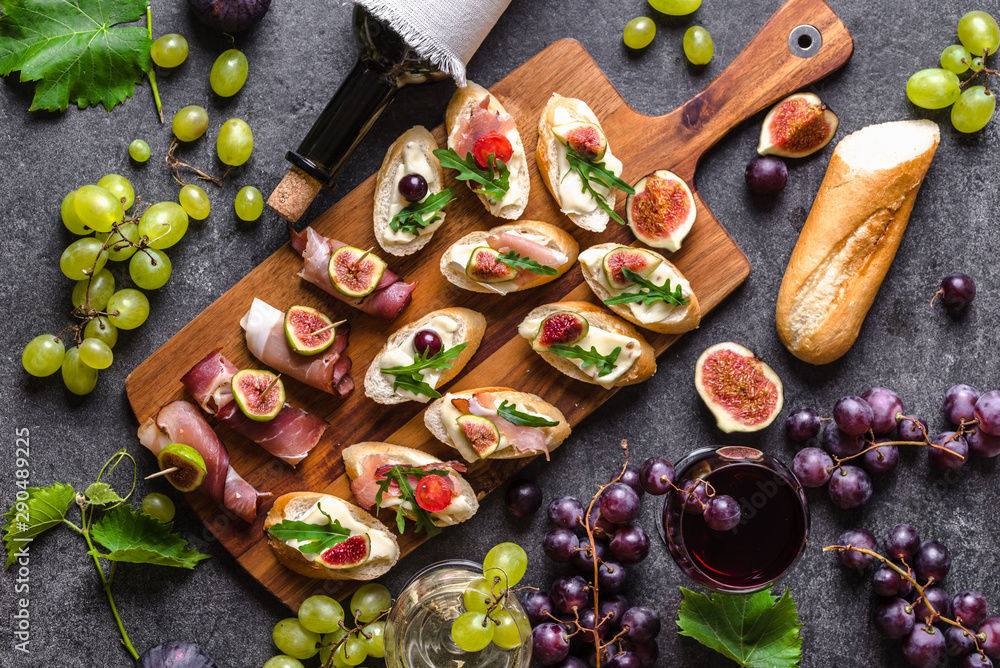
848 242
681 319
472 326
561 238
554 436
293 559
643 367
385 183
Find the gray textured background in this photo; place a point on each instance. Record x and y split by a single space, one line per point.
297 55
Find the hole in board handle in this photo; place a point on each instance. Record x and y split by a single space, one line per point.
805 41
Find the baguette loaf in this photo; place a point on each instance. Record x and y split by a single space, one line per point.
851 236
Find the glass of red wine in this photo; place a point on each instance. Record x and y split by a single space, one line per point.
774 519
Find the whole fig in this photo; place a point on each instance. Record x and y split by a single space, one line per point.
176 654
229 15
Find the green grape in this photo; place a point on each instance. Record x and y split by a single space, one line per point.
471 631
933 88
163 224
118 250
78 377
43 355
119 186
478 596
81 256
376 644
169 50
369 601
190 123
977 64
128 309
675 7
639 32
194 201
956 58
97 208
150 269
698 46
235 142
69 216
283 661
321 614
352 652
329 641
973 110
159 507
229 73
139 150
101 287
101 328
249 204
291 638
507 634
506 558
978 31
96 354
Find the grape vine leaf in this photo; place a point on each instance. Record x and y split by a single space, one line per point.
74 50
139 539
754 630
101 494
44 508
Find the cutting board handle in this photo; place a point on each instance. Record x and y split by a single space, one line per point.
766 71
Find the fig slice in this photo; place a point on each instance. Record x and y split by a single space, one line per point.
797 126
484 267
662 210
587 139
259 394
635 259
190 465
354 272
562 327
743 393
354 551
308 331
481 433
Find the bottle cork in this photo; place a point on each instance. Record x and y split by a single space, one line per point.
294 194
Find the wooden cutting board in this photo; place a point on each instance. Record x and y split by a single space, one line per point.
764 72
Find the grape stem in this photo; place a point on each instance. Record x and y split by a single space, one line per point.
150 72
174 164
358 628
872 445
986 84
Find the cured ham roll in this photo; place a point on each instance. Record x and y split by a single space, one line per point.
390 296
265 331
182 422
290 436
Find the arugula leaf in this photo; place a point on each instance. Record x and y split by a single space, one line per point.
101 494
313 538
137 538
495 179
597 172
510 413
512 259
411 219
754 630
604 363
401 475
44 508
74 51
649 293
408 378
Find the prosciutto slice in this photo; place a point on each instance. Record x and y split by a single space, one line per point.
290 436
265 332
522 439
480 122
375 467
532 250
181 422
390 296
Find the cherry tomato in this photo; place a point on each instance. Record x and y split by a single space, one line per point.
433 493
492 142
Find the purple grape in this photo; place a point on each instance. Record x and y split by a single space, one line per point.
943 460
625 659
982 444
632 478
648 653
588 618
853 415
938 597
427 342
694 495
957 291
560 545
568 592
812 467
969 607
523 498
850 487
991 645
657 475
615 606
537 605
888 583
766 175
570 662
881 460
909 430
413 187
987 411
802 424
958 642
841 444
722 513
976 660
862 538
549 643
619 503
923 647
932 561
630 544
590 655
885 405
902 542
566 512
641 624
600 526
611 577
893 618
960 403
583 558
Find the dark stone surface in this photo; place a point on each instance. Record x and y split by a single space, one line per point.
297 56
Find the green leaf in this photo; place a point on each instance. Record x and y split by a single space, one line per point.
412 218
408 378
139 539
512 259
74 51
313 538
101 494
754 630
604 363
44 508
597 172
649 292
401 475
510 413
495 180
